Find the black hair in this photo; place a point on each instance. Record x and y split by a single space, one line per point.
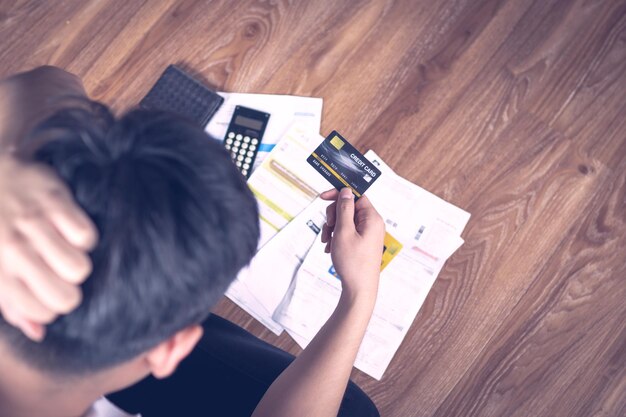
176 222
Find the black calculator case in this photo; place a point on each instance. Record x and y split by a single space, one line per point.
178 92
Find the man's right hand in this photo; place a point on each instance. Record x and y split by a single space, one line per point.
44 240
316 380
354 235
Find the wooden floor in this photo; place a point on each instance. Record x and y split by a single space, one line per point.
513 110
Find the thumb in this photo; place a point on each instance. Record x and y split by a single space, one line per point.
345 211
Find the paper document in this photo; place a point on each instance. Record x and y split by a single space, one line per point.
284 185
291 283
270 273
409 213
284 111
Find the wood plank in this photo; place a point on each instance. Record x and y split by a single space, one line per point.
512 109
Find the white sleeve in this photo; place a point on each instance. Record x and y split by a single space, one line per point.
104 408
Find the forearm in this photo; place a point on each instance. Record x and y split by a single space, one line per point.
314 384
29 97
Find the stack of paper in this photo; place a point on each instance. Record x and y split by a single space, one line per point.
289 285
284 185
426 230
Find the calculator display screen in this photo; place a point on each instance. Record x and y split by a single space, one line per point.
248 122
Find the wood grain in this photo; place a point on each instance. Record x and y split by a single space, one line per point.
513 109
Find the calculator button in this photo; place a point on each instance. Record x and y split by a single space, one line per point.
240 158
227 146
252 147
254 141
238 163
229 141
238 137
242 151
246 139
244 171
233 154
250 153
235 148
248 160
231 134
244 145
246 166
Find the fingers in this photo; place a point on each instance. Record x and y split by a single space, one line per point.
345 211
327 233
55 200
35 332
42 251
340 215
331 214
23 311
330 194
363 203
65 260
53 292
23 306
368 220
70 221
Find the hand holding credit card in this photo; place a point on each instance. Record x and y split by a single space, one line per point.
342 165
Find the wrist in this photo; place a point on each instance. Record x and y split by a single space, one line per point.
362 299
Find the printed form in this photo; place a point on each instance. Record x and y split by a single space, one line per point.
283 186
291 283
304 290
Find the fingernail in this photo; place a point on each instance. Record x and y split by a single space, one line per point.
346 193
33 331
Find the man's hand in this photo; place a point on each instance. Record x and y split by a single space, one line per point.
354 235
315 382
44 238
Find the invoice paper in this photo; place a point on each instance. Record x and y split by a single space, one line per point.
429 230
284 185
270 273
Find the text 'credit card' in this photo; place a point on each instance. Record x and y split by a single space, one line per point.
342 165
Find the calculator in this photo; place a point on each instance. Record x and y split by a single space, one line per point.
243 137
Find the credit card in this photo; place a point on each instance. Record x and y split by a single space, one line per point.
342 165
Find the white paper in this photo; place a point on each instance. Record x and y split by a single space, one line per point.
270 273
284 111
284 185
411 214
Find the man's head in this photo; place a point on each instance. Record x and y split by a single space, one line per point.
176 223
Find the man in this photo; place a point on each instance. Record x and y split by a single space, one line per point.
168 224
